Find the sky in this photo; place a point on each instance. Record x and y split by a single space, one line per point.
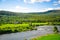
29 5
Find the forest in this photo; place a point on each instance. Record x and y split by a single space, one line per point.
18 22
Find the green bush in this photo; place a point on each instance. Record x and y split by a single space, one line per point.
55 30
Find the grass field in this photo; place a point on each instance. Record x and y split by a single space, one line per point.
48 37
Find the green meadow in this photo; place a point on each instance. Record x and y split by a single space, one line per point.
48 37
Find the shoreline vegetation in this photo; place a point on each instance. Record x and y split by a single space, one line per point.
12 28
48 37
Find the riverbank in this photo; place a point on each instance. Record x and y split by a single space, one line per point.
13 28
28 34
48 37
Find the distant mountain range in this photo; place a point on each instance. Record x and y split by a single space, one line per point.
50 12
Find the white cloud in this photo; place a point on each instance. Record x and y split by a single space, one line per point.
55 3
59 1
18 9
43 0
26 10
50 8
58 8
0 9
45 9
21 9
33 1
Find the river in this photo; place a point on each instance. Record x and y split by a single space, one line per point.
41 30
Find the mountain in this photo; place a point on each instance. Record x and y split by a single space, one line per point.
50 13
15 17
16 13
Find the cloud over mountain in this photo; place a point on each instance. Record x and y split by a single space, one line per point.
33 1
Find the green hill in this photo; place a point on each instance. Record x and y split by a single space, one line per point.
13 17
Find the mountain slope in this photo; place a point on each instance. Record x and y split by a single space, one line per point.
15 13
14 17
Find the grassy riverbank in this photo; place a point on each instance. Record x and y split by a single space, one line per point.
48 37
11 28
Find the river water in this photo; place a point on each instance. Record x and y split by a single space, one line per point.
41 30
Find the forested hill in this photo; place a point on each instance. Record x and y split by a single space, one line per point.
15 17
8 13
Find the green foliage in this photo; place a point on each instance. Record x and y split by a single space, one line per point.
48 37
55 30
9 28
7 17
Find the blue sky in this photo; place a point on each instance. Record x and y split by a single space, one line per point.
29 5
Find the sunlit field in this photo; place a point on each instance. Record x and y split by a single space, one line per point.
6 28
48 37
